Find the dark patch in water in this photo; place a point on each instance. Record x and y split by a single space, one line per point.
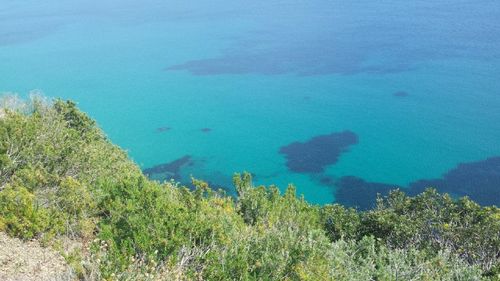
275 62
163 129
344 39
265 176
479 180
356 192
181 170
326 180
206 130
218 180
169 170
228 190
317 153
21 33
401 94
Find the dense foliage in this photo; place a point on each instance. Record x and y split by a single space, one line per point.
60 178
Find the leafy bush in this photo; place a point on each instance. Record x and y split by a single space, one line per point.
53 155
61 178
436 222
340 222
19 215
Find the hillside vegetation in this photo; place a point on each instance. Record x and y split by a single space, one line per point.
62 181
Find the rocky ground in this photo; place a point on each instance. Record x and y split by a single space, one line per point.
28 260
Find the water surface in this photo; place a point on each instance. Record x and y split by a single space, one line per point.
229 84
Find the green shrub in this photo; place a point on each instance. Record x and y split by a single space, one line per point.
20 215
340 222
435 222
145 219
60 177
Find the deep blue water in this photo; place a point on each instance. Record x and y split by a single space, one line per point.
342 98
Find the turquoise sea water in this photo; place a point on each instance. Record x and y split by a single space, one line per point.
265 74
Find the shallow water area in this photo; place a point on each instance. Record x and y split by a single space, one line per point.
231 83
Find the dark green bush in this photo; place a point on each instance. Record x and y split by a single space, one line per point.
340 222
435 222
